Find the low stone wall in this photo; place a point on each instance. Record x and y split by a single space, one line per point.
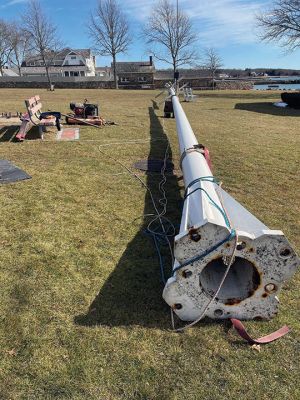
234 85
57 85
96 83
206 84
195 83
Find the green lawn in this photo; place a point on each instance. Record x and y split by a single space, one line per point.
82 315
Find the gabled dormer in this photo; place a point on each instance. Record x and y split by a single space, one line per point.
74 58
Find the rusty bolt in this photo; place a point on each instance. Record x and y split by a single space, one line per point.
270 287
186 273
194 235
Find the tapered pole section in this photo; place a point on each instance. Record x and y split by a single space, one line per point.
194 167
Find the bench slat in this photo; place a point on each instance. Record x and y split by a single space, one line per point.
31 102
48 121
33 110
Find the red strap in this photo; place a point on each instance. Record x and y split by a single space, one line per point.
263 340
207 157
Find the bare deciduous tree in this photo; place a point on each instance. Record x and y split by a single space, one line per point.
212 62
5 44
170 34
42 34
109 30
282 23
20 41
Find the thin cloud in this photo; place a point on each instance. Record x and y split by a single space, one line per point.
222 21
12 3
217 22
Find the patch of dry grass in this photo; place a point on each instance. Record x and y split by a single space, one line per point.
81 310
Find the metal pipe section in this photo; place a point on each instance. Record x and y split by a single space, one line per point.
194 167
211 218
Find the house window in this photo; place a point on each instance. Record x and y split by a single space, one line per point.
142 79
66 73
82 73
124 79
73 57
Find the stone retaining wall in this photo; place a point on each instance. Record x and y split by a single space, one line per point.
206 84
234 85
57 85
94 83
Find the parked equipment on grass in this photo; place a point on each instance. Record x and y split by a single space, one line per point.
84 113
228 264
292 99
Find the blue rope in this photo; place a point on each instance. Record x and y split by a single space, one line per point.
206 252
212 180
161 262
232 233
160 238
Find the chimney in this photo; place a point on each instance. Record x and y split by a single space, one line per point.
151 60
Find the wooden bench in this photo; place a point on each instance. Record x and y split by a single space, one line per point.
35 117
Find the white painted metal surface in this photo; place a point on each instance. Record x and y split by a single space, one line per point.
264 259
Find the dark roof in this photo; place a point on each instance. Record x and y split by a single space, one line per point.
104 69
85 53
135 66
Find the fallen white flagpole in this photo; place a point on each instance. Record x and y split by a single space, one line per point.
214 228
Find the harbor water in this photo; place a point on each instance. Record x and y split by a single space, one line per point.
279 86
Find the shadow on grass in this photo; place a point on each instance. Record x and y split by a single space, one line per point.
268 108
132 295
241 94
8 133
155 105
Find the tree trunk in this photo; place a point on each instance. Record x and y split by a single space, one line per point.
174 70
174 66
115 72
20 71
213 80
47 73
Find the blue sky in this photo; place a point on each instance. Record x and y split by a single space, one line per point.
227 25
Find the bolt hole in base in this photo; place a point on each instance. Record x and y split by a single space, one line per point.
241 245
177 306
285 253
218 313
241 282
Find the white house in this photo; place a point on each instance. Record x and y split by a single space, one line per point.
68 62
